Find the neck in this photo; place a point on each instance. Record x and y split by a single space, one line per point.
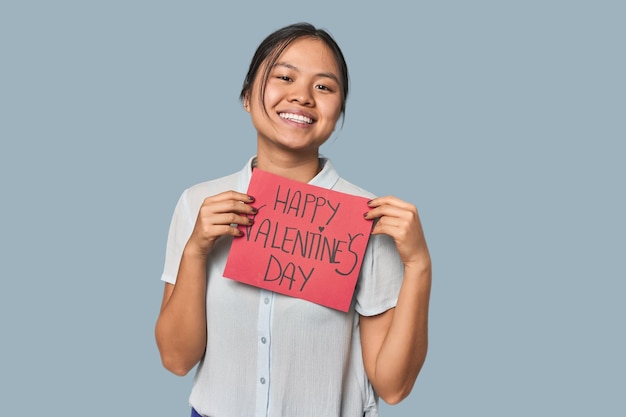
297 169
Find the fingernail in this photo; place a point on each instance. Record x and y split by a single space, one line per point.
369 203
250 198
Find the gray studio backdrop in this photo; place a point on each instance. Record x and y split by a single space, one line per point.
504 122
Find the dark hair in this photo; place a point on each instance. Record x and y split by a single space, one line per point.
270 49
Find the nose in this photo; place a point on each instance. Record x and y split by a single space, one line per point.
301 94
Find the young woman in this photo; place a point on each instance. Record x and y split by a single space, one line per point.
261 353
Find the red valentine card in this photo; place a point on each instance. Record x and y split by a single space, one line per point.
306 242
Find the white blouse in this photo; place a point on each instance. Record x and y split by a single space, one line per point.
272 355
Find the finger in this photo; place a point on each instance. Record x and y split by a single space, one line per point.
208 224
389 200
210 207
226 230
388 211
229 195
234 195
390 226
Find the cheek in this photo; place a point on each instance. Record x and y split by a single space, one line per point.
272 95
333 109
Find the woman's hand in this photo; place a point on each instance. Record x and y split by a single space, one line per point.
218 216
400 220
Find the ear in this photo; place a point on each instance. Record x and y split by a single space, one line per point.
246 103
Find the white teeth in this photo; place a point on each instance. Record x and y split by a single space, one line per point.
296 118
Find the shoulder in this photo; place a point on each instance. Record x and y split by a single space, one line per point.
192 198
212 187
347 187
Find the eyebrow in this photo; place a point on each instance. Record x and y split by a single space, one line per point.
319 74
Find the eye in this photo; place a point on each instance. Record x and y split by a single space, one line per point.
284 77
323 87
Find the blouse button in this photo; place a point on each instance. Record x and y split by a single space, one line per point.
263 340
267 300
262 380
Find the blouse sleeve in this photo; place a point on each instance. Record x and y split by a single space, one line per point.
180 229
381 277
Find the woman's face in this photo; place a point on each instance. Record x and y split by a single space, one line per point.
303 99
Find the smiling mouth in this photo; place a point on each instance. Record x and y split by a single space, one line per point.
296 118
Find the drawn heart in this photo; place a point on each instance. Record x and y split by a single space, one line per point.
321 228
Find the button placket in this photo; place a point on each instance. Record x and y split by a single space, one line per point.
266 302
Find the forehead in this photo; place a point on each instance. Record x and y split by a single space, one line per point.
309 54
